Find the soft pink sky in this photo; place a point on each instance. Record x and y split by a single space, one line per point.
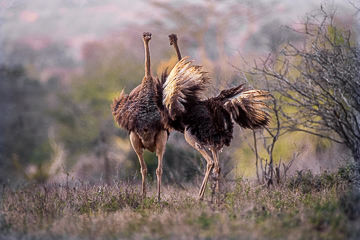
74 22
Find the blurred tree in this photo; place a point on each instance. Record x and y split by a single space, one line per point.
39 57
274 35
23 123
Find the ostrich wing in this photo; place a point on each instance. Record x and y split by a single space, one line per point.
184 85
122 108
248 108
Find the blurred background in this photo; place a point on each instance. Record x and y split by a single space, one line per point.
63 61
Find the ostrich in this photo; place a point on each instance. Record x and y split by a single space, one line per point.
208 123
140 113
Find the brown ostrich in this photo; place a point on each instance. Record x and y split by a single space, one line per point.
208 123
140 113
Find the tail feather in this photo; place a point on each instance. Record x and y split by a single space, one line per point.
248 109
185 83
230 93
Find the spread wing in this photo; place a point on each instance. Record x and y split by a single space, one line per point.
185 84
248 108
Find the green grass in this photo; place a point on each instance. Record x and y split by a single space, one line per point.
307 206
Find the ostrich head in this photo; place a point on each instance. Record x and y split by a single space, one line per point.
146 36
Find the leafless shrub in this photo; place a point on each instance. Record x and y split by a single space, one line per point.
318 84
269 169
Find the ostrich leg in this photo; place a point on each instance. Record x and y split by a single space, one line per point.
138 148
173 41
161 139
216 171
210 163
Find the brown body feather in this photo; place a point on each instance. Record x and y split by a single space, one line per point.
139 111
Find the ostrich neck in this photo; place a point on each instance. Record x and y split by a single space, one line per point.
177 51
147 59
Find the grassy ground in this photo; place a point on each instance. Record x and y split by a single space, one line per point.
305 207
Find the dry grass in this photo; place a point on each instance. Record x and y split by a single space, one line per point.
306 207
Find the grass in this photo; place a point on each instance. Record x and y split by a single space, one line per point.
324 206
